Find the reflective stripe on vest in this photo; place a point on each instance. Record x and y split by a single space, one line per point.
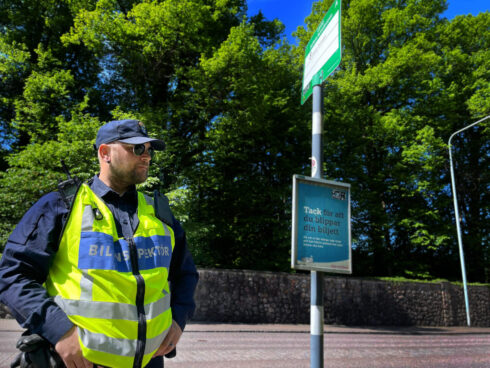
92 279
91 309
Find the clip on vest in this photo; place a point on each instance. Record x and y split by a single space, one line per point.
97 214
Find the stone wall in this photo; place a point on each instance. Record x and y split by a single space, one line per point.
266 297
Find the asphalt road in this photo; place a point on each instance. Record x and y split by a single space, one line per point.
285 346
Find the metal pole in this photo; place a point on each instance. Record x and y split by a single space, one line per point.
456 214
316 311
317 134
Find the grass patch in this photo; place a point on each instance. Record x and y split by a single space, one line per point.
427 281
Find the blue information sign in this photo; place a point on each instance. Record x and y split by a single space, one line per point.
321 236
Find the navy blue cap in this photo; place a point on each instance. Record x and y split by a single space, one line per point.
126 131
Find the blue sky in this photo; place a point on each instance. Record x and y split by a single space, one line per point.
293 12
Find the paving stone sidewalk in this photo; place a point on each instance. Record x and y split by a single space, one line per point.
265 346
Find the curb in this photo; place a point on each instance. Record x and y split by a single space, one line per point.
12 326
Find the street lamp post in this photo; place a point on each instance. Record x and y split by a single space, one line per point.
456 214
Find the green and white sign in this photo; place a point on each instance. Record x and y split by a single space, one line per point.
323 52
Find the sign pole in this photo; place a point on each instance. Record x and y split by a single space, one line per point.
316 311
322 56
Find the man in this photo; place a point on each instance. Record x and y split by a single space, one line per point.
95 280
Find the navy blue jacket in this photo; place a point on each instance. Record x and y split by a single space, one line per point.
33 244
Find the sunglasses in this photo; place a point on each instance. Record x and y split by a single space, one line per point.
139 149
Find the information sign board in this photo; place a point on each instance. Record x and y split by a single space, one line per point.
323 52
321 232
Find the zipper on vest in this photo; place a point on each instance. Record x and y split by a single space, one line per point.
140 305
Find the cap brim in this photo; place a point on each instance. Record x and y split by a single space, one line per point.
157 144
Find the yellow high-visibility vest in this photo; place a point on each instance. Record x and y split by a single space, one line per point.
114 290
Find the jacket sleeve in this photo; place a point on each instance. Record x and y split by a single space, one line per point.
24 267
183 278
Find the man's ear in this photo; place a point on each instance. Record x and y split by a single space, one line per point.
105 152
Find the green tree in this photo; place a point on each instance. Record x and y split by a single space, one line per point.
389 110
179 67
464 44
223 91
44 84
257 139
38 71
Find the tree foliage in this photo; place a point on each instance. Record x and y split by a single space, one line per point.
408 79
223 90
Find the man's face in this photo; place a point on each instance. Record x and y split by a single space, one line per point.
126 168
